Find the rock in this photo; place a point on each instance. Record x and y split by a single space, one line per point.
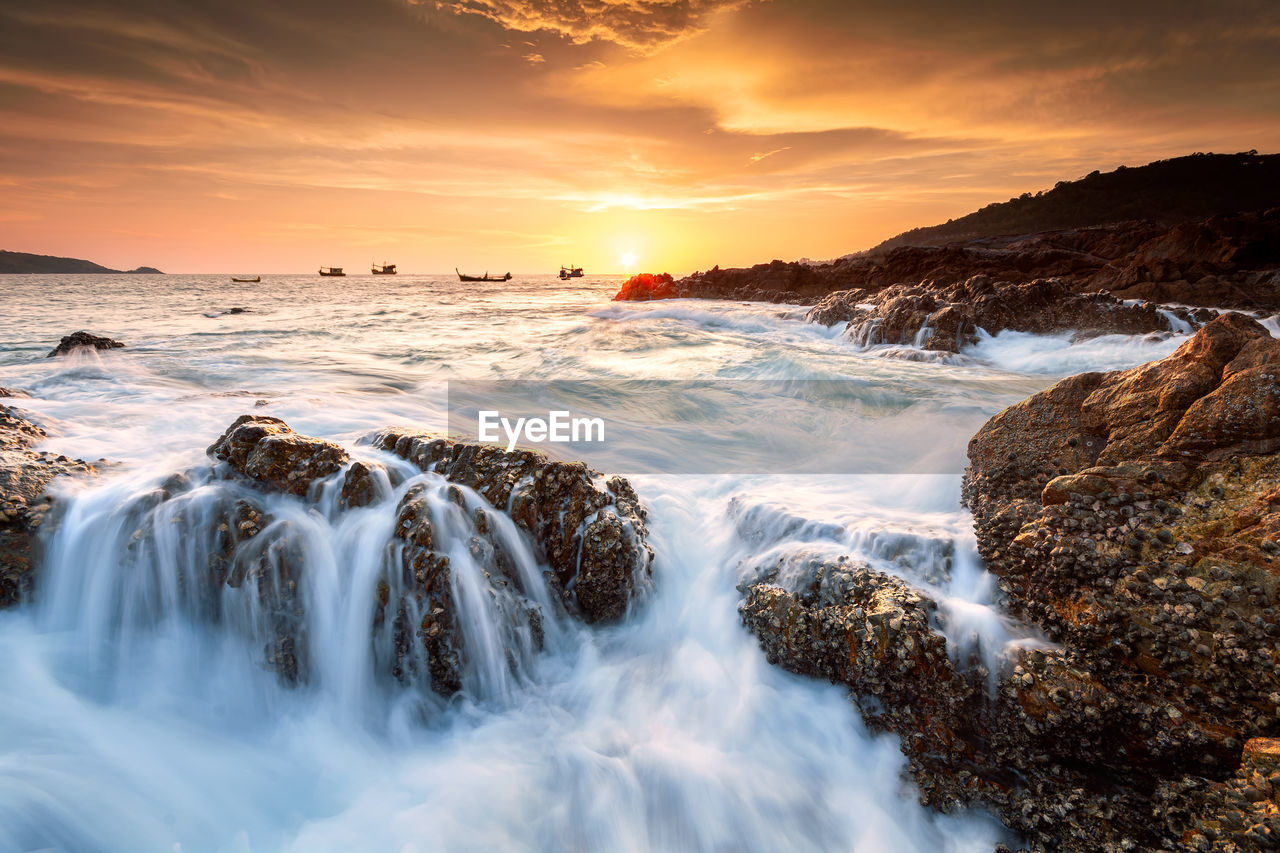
1145 556
83 339
12 392
1221 262
1134 517
25 475
947 318
593 537
264 449
846 622
646 286
839 307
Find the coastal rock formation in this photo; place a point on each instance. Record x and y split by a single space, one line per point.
1220 262
593 537
75 340
25 475
645 286
265 449
844 621
1134 516
947 318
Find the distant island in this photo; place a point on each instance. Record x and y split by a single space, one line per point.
24 263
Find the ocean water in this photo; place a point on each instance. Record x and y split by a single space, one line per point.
127 722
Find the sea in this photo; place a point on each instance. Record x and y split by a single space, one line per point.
129 721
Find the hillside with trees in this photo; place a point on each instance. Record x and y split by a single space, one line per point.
1197 186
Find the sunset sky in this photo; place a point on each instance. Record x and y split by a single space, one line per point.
257 136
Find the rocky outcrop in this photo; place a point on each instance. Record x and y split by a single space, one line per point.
25 475
646 286
76 340
844 621
594 537
266 450
1134 516
1221 262
947 318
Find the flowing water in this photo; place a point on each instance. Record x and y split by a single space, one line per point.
136 713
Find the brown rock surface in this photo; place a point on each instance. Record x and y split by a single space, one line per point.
1134 516
265 449
25 475
593 537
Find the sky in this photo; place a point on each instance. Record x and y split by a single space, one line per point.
268 136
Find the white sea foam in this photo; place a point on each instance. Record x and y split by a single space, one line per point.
128 721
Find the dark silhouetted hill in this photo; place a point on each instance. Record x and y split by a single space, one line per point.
1165 192
23 262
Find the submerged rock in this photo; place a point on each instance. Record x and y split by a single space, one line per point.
947 317
25 475
76 340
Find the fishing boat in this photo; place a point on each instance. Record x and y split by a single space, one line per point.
331 271
383 269
570 272
253 280
486 277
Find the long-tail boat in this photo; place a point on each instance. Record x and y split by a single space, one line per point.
253 280
486 277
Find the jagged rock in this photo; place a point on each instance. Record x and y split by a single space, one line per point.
645 286
947 318
76 340
846 622
265 449
11 392
594 538
25 475
1133 515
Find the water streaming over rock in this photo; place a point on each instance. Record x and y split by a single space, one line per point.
207 666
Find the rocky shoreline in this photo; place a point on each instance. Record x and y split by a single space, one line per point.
1220 262
590 532
1133 516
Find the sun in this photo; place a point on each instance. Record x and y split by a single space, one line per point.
628 261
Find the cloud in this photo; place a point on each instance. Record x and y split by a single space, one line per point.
636 24
760 155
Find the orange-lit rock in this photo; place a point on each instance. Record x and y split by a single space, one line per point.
645 286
